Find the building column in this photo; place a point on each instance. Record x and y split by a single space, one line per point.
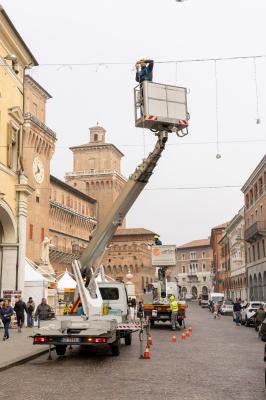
23 191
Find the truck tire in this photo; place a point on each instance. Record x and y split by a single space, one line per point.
128 339
115 348
60 350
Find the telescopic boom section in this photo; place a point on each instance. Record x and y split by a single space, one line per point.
102 236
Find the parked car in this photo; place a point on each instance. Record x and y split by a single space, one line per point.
249 311
227 307
204 300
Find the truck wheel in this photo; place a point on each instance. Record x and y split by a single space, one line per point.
60 350
128 339
115 348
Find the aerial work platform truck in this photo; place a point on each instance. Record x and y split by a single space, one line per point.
105 303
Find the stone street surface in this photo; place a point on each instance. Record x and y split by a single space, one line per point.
18 347
219 361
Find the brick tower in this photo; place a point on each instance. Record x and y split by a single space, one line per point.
96 170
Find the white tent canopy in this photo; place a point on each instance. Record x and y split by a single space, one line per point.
66 282
35 284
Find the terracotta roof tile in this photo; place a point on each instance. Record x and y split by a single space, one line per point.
133 231
195 243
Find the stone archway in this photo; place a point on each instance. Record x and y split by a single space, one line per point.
8 248
264 286
250 288
260 288
255 287
194 292
183 292
204 290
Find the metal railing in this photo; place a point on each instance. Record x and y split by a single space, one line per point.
93 172
29 116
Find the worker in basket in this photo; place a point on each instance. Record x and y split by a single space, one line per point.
174 309
157 241
144 69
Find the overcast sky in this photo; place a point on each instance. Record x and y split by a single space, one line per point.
123 31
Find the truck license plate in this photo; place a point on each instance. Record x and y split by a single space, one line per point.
154 313
70 340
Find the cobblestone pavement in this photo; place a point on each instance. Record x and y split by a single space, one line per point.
18 347
219 361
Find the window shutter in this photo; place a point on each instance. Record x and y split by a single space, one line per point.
9 145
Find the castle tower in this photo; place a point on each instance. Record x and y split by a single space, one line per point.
96 170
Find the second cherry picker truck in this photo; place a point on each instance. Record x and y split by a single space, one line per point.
106 320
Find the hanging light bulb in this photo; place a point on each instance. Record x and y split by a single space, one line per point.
218 156
257 121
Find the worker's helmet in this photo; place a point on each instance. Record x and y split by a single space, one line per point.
142 60
156 237
172 298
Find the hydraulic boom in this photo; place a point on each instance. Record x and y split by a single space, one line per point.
93 254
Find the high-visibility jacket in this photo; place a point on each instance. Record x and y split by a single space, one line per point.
174 306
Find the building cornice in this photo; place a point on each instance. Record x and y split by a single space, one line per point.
37 86
72 212
29 117
254 174
99 146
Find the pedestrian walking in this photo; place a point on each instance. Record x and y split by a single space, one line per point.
237 311
6 312
42 311
217 311
20 308
30 307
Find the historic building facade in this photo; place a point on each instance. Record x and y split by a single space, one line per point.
194 261
255 231
72 219
236 286
15 57
130 251
218 272
39 144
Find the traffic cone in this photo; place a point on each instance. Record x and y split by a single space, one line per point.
147 353
187 333
190 329
174 338
150 341
183 336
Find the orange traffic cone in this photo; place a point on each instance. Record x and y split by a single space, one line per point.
174 338
183 336
190 328
150 341
187 334
147 353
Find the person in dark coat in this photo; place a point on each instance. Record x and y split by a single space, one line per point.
237 311
6 312
30 307
42 311
19 308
